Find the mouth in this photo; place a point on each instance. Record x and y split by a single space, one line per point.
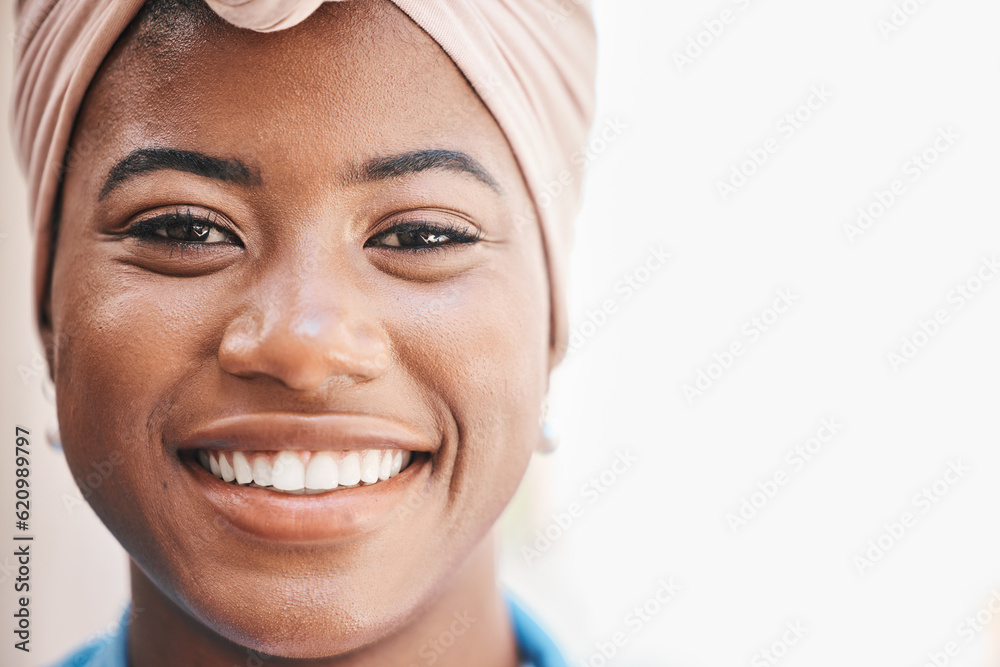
286 477
304 472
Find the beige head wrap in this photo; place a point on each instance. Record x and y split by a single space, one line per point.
531 62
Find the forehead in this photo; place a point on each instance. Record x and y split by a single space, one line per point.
354 80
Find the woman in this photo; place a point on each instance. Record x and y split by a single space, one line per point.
298 276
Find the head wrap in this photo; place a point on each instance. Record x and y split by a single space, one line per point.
531 62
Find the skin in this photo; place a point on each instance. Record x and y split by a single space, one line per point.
147 340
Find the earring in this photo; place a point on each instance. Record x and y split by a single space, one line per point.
52 435
550 436
52 430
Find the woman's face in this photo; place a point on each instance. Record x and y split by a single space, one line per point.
296 242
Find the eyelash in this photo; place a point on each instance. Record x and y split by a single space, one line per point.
148 230
456 235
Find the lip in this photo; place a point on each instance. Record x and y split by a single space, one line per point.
326 517
281 431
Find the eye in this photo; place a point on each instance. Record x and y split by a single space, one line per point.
183 227
424 235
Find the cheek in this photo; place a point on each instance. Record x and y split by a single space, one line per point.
480 347
131 339
123 350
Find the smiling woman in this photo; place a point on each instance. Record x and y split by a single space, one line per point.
245 227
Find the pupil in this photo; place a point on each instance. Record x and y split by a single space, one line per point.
194 231
433 238
200 231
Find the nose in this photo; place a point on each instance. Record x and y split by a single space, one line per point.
305 331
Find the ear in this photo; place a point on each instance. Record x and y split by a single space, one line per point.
557 348
47 334
556 354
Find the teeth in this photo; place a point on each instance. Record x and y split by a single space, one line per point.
305 471
261 471
322 474
385 466
289 473
370 461
350 469
241 466
228 474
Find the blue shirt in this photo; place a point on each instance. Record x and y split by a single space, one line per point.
535 647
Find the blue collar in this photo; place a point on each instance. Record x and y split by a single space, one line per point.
535 647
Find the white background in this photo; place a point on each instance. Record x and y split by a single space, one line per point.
671 135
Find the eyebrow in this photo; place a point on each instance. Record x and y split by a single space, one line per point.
417 161
145 160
